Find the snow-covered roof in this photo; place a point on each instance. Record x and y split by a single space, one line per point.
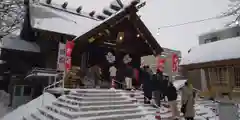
13 41
52 17
215 51
218 30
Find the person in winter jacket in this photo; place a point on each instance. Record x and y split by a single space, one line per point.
128 77
188 102
145 79
172 100
157 92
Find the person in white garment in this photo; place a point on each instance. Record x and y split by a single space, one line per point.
113 72
128 77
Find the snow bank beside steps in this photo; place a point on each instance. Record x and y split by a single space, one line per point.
30 107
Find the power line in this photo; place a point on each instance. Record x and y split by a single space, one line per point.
191 22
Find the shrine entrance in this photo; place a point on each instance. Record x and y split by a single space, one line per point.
120 40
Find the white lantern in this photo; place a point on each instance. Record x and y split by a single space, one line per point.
127 59
110 57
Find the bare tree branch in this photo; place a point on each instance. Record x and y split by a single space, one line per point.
11 15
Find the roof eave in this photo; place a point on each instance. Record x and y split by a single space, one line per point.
202 65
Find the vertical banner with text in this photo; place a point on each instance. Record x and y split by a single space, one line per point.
174 63
61 57
69 48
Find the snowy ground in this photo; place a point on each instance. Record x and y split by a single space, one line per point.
30 107
204 108
4 101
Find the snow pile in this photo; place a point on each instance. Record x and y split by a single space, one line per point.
4 97
13 41
30 107
179 83
215 51
4 102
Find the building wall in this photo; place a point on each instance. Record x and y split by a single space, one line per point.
220 34
194 77
167 55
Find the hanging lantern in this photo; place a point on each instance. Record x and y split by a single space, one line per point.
110 57
127 59
92 39
78 10
120 37
64 5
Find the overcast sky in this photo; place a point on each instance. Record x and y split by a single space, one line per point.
158 13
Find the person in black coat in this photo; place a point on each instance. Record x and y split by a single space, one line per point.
145 79
171 94
157 87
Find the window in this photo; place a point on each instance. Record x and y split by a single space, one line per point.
238 34
213 39
27 91
237 77
219 76
18 90
208 41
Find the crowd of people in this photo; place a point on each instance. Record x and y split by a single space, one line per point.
156 87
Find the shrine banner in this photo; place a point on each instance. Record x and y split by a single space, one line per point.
69 48
61 57
174 62
160 64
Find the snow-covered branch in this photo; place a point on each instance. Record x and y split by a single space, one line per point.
11 15
234 10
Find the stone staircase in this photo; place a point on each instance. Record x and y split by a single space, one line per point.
107 104
150 109
202 107
91 104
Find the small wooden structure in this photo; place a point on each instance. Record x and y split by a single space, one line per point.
213 69
74 78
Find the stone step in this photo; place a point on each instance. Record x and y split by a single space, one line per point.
69 101
95 103
109 112
97 91
73 114
38 116
63 112
96 98
119 117
101 103
69 107
97 94
108 107
28 118
52 114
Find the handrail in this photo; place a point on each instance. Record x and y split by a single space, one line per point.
52 85
49 86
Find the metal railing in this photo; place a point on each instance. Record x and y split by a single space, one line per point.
50 86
